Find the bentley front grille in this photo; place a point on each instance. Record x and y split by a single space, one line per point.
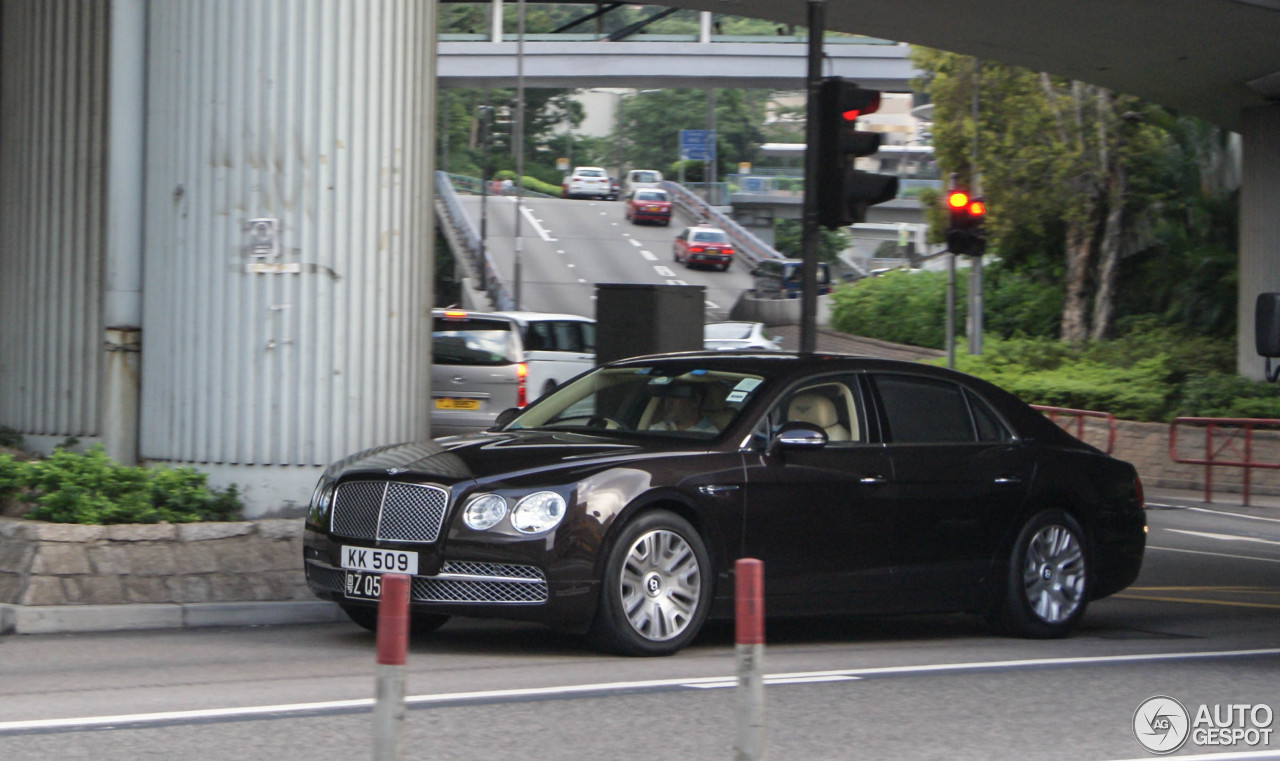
389 511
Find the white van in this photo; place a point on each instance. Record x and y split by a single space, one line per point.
641 178
556 347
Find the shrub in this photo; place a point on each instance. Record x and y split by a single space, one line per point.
904 306
90 488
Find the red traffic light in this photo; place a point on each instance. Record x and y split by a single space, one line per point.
977 208
957 199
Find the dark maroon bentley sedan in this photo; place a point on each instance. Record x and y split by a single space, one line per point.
617 504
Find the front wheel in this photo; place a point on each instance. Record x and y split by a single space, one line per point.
656 589
1050 578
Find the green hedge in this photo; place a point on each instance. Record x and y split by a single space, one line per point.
90 488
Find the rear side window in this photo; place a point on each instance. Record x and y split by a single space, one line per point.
924 410
560 335
472 342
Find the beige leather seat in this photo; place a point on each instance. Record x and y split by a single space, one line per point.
820 411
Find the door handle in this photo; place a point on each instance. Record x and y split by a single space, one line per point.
872 480
1008 480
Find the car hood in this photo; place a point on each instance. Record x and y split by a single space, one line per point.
471 456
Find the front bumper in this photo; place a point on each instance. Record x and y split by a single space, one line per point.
478 586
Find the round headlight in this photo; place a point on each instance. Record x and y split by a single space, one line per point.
538 512
484 511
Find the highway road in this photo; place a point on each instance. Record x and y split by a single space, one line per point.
570 245
1202 625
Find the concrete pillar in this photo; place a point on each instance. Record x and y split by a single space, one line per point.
1259 226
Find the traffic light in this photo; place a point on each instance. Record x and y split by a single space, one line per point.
844 193
965 214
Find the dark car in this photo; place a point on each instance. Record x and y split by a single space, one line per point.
648 205
784 278
617 504
703 245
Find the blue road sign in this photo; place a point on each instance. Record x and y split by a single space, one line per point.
698 144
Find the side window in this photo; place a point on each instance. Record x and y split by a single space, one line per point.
833 404
989 426
588 336
567 337
924 410
538 337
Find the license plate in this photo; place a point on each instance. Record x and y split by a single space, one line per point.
379 561
457 404
363 586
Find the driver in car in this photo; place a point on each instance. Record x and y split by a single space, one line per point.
681 410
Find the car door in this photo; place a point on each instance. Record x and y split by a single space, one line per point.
822 518
960 478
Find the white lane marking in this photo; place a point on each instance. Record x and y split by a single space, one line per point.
646 253
663 271
712 305
580 280
582 690
1222 537
1234 515
542 233
1215 554
571 266
635 242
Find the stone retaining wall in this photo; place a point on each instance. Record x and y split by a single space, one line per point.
45 564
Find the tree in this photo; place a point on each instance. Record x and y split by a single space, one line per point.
1066 169
651 124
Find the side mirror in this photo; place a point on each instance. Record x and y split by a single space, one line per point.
504 417
1266 330
798 435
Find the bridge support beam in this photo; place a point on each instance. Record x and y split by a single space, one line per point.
1259 226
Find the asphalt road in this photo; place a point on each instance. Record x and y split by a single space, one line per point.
1202 624
570 246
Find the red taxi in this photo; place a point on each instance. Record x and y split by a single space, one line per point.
703 245
649 205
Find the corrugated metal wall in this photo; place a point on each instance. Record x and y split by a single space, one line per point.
52 133
313 113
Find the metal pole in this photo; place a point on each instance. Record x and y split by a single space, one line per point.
519 140
485 128
749 649
975 270
393 644
809 234
712 197
617 112
951 311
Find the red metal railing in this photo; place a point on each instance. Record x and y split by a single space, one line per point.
1064 417
1225 444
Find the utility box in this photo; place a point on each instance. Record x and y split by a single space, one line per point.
632 320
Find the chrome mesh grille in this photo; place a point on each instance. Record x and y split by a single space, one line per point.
459 581
389 511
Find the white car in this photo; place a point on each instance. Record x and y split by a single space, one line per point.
589 182
738 335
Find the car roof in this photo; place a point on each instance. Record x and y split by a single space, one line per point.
524 317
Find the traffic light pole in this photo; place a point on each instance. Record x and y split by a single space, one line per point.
809 234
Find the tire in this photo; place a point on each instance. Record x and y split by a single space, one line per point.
656 589
366 616
1049 579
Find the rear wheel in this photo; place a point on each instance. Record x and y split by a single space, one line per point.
1049 580
656 590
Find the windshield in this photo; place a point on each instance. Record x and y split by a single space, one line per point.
684 402
651 195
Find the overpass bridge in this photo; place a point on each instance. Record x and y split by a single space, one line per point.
644 62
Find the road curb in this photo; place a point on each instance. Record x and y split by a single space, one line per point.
61 619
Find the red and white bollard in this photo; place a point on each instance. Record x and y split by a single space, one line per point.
393 644
749 647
